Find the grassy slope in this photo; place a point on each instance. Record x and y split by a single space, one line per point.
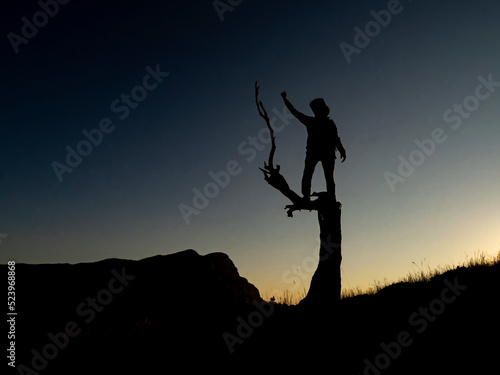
444 332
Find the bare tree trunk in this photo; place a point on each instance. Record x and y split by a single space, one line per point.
326 282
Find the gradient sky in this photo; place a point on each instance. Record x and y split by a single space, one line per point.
122 200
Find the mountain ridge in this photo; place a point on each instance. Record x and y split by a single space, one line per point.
197 312
178 296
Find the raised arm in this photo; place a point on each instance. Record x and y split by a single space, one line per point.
299 115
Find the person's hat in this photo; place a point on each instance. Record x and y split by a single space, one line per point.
319 107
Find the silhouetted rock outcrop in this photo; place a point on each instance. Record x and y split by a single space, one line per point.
129 313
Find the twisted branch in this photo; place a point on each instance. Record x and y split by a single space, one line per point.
263 114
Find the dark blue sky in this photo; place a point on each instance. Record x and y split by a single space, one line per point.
122 200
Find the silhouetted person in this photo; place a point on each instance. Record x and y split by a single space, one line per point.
322 142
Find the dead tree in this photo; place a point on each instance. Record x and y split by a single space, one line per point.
326 282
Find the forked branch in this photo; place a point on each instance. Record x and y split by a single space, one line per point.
263 114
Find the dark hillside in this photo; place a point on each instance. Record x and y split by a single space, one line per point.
449 325
127 315
182 312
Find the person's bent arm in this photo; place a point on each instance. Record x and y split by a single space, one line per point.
338 143
341 149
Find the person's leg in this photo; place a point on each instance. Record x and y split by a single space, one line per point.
308 174
328 168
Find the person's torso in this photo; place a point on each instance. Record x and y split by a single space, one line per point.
321 135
